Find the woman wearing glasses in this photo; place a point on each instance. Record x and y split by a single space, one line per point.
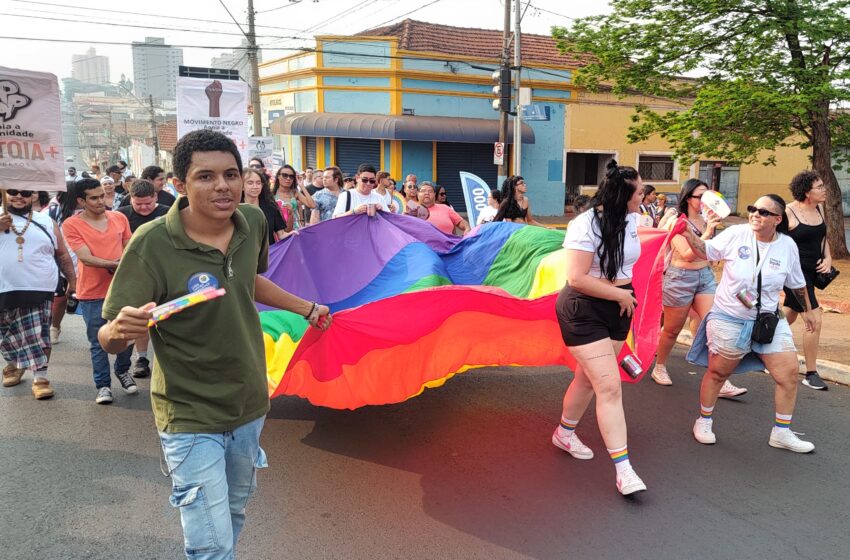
688 281
807 227
515 206
288 195
758 260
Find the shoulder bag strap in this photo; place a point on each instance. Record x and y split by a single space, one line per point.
823 241
758 297
348 201
50 237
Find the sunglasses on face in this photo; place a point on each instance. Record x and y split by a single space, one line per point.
15 192
764 213
286 175
368 181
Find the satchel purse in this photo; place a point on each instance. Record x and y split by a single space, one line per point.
765 326
823 279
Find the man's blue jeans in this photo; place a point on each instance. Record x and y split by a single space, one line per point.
92 309
212 477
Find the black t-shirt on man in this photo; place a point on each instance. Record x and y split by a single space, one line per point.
137 220
163 197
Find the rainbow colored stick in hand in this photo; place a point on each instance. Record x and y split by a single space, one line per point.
169 308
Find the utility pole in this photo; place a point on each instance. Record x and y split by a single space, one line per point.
255 71
517 108
503 115
154 135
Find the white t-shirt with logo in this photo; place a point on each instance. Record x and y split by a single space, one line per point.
736 247
583 235
357 199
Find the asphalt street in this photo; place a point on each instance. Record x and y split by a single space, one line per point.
464 471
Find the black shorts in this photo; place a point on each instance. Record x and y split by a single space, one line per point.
791 299
584 319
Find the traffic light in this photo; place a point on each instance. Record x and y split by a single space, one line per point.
502 90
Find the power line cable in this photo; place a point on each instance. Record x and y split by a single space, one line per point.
226 9
157 27
406 14
124 12
289 5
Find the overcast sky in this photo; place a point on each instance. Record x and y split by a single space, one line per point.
281 24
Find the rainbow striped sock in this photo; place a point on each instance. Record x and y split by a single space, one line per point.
566 428
621 458
783 421
705 412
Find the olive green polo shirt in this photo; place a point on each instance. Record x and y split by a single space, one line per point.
209 371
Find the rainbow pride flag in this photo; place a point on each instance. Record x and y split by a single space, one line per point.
414 307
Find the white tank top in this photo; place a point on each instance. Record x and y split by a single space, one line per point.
38 271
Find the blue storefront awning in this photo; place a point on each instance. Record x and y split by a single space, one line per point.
396 127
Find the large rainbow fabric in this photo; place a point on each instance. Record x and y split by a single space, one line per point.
414 307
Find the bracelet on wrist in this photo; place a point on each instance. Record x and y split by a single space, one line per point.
313 308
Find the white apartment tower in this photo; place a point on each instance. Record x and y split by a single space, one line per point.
90 68
155 66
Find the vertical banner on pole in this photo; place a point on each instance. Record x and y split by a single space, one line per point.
219 105
31 154
475 193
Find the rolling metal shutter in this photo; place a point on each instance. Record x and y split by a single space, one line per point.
310 152
453 157
351 152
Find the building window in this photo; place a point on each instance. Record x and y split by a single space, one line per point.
655 168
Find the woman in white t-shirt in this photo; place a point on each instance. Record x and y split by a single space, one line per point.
594 312
759 248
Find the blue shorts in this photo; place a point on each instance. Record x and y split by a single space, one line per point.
682 285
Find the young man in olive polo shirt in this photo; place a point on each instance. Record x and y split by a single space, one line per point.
209 389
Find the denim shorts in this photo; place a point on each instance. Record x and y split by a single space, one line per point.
681 285
723 340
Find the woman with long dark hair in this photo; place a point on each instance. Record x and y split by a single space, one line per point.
744 330
515 206
288 195
689 282
255 190
807 227
595 313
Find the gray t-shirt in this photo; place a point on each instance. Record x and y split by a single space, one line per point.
325 204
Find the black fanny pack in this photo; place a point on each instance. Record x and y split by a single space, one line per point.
766 323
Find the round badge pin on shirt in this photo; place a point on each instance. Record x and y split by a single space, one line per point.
201 281
744 252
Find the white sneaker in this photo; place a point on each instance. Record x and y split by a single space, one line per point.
703 433
573 446
104 396
660 375
629 482
728 390
784 438
54 335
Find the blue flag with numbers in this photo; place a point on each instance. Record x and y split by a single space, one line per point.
475 193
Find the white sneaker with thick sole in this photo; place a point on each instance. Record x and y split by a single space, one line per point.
703 433
784 438
660 375
629 482
104 396
54 335
573 446
728 390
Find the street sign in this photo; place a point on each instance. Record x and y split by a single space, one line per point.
498 153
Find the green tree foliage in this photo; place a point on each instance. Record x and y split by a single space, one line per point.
769 73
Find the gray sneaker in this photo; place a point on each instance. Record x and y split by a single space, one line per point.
104 396
127 382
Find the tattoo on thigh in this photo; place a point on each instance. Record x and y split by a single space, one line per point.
600 356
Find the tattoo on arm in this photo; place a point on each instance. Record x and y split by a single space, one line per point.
697 244
66 265
803 297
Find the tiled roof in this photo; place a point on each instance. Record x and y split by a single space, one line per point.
167 134
416 35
